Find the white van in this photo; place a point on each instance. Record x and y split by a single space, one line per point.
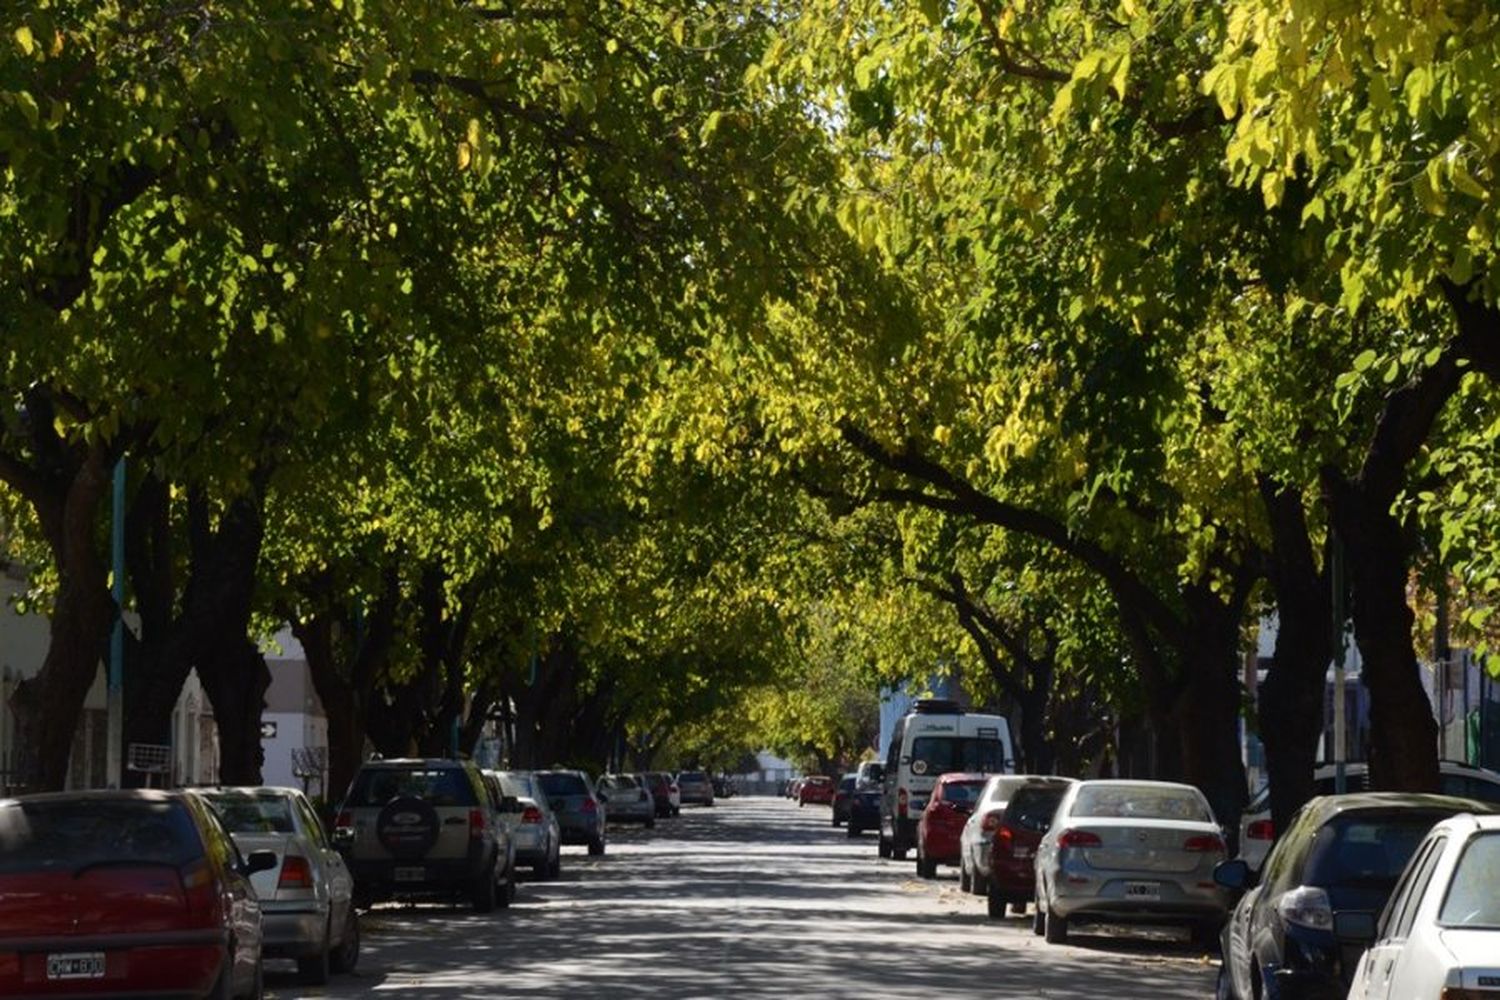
937 737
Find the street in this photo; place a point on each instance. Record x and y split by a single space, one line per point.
753 897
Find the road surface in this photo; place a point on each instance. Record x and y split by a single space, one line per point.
751 898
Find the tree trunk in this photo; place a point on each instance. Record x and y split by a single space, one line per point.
236 679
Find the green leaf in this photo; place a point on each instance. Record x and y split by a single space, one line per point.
1364 360
25 40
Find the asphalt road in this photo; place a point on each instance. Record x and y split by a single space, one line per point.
751 898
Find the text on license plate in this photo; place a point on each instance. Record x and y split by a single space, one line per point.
1142 890
410 874
76 965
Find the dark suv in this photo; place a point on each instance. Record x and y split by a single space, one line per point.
423 829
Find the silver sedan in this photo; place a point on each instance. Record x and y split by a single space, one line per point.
626 800
1131 852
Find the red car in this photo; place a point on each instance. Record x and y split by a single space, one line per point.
1026 818
125 893
942 822
817 789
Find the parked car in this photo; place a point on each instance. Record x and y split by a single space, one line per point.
942 822
664 793
936 737
870 774
626 800
864 810
580 814
533 828
1011 869
817 789
979 831
140 893
1440 933
307 898
1301 927
793 787
1257 832
694 787
424 829
843 795
1130 852
724 786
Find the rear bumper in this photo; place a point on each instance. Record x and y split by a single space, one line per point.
864 817
378 878
1014 878
169 964
293 933
580 832
942 846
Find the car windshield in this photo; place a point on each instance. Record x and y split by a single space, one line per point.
1364 851
447 786
518 785
1033 807
846 783
1141 802
560 783
691 776
1474 894
942 754
962 793
71 835
244 812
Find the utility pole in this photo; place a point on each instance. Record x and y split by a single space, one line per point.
1340 723
115 700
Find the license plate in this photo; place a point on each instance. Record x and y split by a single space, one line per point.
411 874
76 965
1142 890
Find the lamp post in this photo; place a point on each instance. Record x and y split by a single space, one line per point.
115 703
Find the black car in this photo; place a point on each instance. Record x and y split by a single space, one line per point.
864 810
842 796
1300 929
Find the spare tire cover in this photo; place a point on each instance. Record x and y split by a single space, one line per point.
407 827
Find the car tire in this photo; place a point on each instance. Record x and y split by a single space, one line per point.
898 853
852 832
312 970
554 871
926 868
1056 931
1018 908
346 956
1224 985
1038 922
996 904
596 847
965 881
981 883
482 896
258 983
651 823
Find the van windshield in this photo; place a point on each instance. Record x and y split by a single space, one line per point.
941 754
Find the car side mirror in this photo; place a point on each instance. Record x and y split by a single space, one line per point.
343 838
258 861
1234 874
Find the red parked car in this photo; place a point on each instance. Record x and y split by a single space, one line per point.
116 893
817 789
942 824
1026 818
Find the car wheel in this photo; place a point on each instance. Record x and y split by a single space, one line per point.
506 894
1056 931
555 869
1224 986
981 883
483 895
258 983
995 903
651 823
852 832
1205 936
346 956
312 970
898 853
1038 922
926 868
883 847
596 847
965 884
1018 909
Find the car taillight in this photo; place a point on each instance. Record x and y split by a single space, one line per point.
1261 829
476 824
901 803
589 805
1206 843
296 873
531 814
1078 838
991 822
344 819
201 891
1005 839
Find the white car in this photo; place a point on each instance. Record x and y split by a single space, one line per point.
1440 934
979 832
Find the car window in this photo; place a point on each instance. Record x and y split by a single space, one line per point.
944 754
692 776
248 812
1469 787
221 846
962 792
1141 802
519 785
1032 808
311 824
447 786
1365 851
67 835
560 783
1474 893
847 784
1407 898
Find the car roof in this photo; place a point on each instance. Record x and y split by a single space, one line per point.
1132 783
1325 807
967 776
249 789
431 763
103 795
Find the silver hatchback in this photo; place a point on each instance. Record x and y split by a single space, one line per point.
1131 852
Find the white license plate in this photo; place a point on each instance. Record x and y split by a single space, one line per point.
411 874
76 965
1143 890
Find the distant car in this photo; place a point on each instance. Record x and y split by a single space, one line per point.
724 786
979 831
793 787
870 774
1440 933
942 822
307 899
1130 852
625 800
579 812
864 810
423 829
1011 868
1303 925
664 793
816 790
126 893
695 788
1257 832
843 795
534 830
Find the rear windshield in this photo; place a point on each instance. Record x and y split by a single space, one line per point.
1474 894
518 785
448 786
1033 808
556 783
68 836
1363 851
1141 802
942 754
246 813
962 792
846 784
692 776
1465 786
